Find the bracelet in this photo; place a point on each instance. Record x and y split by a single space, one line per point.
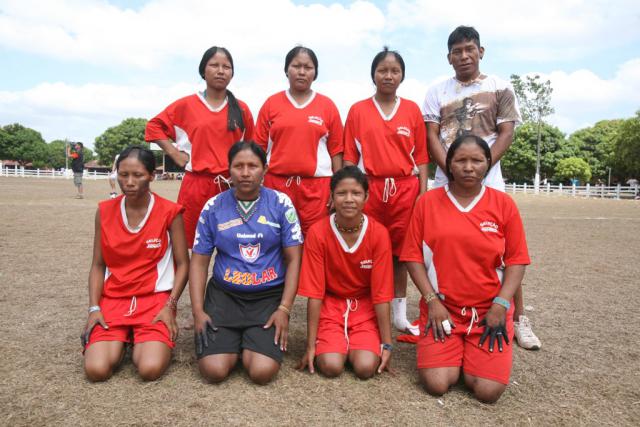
172 303
503 302
429 297
285 309
94 308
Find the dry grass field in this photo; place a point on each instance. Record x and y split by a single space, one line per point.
583 286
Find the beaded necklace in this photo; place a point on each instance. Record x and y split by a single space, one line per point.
349 230
246 208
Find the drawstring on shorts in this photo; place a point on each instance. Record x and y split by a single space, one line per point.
474 317
352 305
390 189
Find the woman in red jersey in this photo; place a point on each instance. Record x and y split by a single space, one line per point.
197 132
347 313
466 252
386 137
139 270
301 132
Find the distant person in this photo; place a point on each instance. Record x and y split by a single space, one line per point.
197 131
347 276
139 270
113 178
76 152
483 105
244 312
466 253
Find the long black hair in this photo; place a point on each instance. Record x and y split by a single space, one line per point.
295 52
143 154
234 114
462 139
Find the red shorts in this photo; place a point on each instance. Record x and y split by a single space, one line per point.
461 350
361 333
309 195
391 203
195 190
130 318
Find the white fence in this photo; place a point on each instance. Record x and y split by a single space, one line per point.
48 173
586 191
598 191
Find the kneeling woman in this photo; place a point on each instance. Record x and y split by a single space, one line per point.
257 236
466 252
347 274
139 269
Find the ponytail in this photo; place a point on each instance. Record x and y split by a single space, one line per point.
234 113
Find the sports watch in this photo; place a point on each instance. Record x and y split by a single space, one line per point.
385 346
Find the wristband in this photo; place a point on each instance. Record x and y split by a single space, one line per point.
94 308
503 302
388 347
285 309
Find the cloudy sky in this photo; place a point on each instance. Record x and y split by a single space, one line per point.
73 68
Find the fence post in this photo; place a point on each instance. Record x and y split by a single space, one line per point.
513 188
548 188
22 171
573 190
588 189
560 188
618 192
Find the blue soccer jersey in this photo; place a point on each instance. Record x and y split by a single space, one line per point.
249 254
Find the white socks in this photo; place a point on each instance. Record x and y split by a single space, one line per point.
400 322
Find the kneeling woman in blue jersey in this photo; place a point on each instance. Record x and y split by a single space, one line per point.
245 311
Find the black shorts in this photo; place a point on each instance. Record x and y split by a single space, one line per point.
240 320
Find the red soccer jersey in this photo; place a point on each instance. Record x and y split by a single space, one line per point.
329 265
139 261
300 140
384 146
200 131
465 250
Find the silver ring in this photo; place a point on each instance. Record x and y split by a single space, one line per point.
499 333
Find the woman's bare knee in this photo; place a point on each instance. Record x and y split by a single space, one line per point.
330 365
485 390
216 369
151 371
97 371
437 381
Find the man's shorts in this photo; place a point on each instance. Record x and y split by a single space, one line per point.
77 178
391 202
309 195
195 190
129 320
240 323
461 350
361 332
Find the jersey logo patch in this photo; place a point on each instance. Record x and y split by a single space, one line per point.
403 130
153 243
489 227
230 224
263 220
366 264
250 253
316 120
291 216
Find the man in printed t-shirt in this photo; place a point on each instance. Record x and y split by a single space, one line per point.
478 104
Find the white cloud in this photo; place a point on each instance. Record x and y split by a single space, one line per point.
99 33
581 97
541 30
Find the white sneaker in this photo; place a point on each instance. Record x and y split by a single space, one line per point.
524 334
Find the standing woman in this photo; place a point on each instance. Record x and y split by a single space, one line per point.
139 269
386 137
466 253
347 313
197 131
301 132
245 312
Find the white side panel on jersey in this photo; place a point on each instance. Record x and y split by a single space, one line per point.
165 269
269 148
361 161
427 254
183 144
107 273
416 171
323 165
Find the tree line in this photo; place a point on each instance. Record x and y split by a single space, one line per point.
588 154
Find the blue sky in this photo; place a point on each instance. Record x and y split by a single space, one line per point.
73 68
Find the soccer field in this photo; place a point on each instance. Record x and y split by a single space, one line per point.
583 288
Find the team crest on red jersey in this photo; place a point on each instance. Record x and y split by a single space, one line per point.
250 253
403 130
